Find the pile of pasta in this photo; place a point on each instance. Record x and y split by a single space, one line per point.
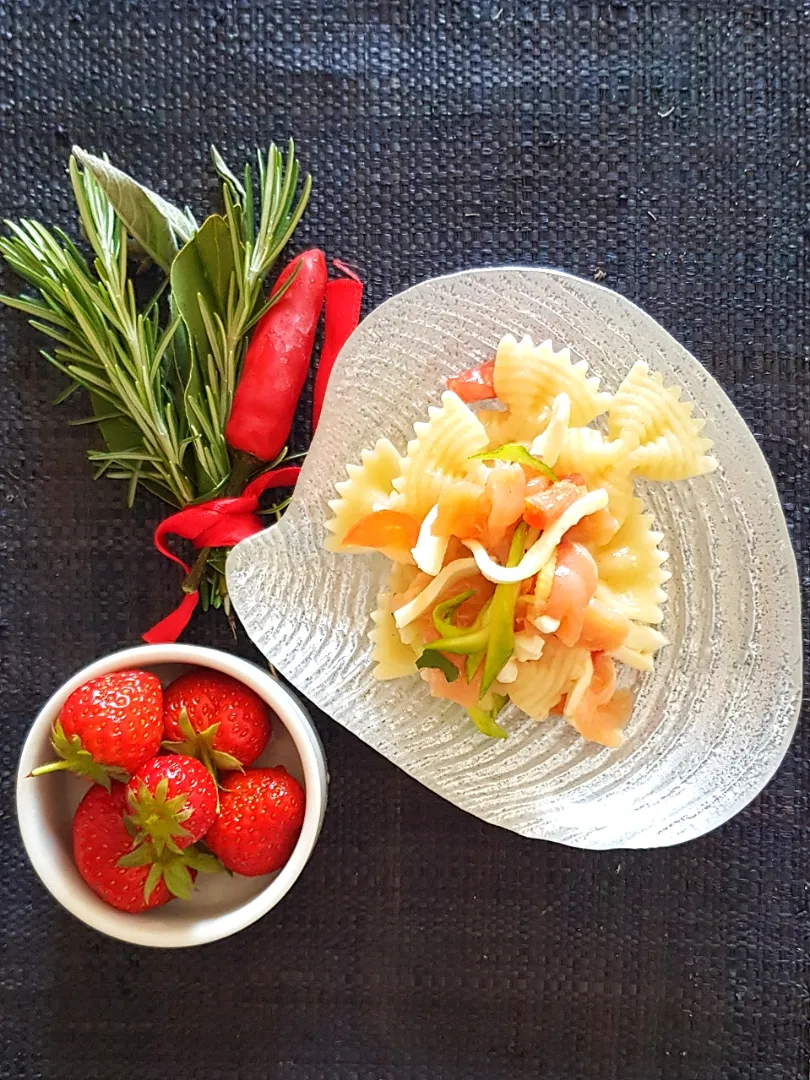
523 564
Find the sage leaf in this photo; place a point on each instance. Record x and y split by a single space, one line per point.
154 222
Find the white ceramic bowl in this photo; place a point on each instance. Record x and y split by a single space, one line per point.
221 904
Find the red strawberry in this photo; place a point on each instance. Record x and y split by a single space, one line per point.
215 718
172 801
100 839
131 879
109 727
260 819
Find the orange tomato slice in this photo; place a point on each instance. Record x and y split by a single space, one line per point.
476 384
384 529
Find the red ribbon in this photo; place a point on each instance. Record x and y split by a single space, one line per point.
218 523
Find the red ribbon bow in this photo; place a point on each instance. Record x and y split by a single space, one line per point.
218 523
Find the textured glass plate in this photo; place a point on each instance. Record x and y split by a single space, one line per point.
710 725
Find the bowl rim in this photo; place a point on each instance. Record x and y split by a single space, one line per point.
80 901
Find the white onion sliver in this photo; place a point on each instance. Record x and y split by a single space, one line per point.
429 551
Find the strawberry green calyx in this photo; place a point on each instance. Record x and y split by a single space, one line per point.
176 869
200 745
74 758
155 819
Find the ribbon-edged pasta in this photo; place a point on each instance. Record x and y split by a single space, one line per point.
658 428
392 658
631 573
527 378
524 617
504 426
541 683
585 450
439 454
368 488
548 446
640 647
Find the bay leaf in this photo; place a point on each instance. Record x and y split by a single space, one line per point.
203 269
179 356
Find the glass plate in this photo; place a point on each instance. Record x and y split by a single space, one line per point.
710 725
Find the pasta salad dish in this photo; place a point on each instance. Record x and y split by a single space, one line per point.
524 564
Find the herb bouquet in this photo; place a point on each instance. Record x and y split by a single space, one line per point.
157 326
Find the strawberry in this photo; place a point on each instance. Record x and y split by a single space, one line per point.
215 718
100 839
131 879
260 819
109 727
171 801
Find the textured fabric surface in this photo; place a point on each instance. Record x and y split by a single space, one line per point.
659 145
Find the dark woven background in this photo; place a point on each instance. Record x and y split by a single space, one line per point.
662 143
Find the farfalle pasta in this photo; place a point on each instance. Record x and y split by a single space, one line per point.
369 487
528 377
439 455
525 566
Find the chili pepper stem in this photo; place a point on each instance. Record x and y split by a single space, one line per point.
243 466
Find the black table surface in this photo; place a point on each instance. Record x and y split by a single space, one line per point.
661 146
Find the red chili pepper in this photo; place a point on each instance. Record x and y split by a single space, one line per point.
277 360
344 297
476 384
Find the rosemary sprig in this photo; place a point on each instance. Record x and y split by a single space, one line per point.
103 343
